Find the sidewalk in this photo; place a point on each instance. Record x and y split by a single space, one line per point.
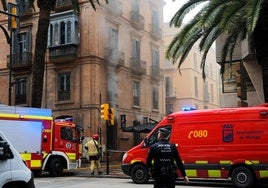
113 171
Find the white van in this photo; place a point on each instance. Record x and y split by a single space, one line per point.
13 171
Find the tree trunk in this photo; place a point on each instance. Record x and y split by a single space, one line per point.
40 52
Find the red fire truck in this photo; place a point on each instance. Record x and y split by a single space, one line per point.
44 143
229 143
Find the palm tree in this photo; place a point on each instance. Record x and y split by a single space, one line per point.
237 19
45 7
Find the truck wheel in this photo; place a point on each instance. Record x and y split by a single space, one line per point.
242 177
139 174
55 167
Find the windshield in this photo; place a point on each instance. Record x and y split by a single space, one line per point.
68 133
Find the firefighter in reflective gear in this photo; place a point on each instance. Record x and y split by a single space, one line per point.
94 150
163 170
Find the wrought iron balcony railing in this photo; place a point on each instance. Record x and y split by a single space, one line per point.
138 66
137 20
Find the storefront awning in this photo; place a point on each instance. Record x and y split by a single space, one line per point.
142 128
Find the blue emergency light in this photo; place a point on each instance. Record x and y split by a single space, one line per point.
188 108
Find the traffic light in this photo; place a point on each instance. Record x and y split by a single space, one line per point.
111 116
104 111
13 19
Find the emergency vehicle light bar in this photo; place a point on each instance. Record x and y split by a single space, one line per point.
64 118
25 110
188 108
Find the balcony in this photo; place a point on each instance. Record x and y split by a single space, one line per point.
62 5
62 53
138 67
64 95
157 74
171 94
137 20
114 7
156 32
20 61
114 57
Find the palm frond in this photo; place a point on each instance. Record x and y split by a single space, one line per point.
231 13
212 14
183 11
181 38
253 9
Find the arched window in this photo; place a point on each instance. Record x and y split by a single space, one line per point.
56 34
62 33
69 32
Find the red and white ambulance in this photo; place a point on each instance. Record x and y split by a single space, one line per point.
44 143
228 143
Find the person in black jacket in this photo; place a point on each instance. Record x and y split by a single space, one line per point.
164 169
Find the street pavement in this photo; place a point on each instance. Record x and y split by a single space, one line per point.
115 171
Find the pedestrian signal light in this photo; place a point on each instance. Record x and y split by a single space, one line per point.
104 111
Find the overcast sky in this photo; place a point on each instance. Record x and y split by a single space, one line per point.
172 7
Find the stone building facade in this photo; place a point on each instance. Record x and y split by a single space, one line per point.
114 54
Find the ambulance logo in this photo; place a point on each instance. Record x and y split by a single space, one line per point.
227 133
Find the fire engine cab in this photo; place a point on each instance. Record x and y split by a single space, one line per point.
44 143
228 143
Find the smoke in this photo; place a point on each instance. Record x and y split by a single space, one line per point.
112 86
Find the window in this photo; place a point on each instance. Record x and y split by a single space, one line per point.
155 63
206 92
155 98
155 22
64 86
212 92
155 58
113 38
22 49
69 32
195 87
135 6
195 61
169 108
24 6
62 33
56 34
170 91
20 91
68 133
63 29
136 49
136 93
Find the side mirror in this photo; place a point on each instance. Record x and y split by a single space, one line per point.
5 152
